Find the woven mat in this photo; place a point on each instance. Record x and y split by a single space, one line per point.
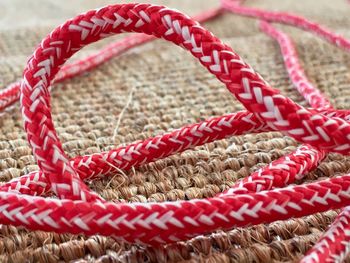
156 88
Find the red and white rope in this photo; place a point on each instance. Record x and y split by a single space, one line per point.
11 93
296 74
95 165
328 248
280 173
334 245
171 221
220 60
288 19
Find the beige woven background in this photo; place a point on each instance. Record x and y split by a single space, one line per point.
156 88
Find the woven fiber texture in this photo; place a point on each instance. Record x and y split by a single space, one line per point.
151 97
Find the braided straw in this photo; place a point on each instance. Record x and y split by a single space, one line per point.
155 223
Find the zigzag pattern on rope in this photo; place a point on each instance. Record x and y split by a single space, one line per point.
257 199
334 244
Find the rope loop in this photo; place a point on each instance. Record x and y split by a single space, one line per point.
261 198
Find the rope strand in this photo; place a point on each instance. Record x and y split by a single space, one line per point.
258 198
333 246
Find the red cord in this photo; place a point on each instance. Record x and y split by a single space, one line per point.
11 93
168 222
334 245
288 19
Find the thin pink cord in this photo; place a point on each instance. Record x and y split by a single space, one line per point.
288 19
295 71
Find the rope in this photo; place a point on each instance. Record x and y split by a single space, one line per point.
259 198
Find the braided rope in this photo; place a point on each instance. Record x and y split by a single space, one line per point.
180 33
296 74
305 125
334 244
280 173
317 100
176 213
97 162
92 166
287 19
11 93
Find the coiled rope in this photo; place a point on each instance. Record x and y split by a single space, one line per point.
261 198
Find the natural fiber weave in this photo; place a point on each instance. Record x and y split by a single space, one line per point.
109 112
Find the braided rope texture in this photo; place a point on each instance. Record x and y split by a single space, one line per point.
166 222
223 95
